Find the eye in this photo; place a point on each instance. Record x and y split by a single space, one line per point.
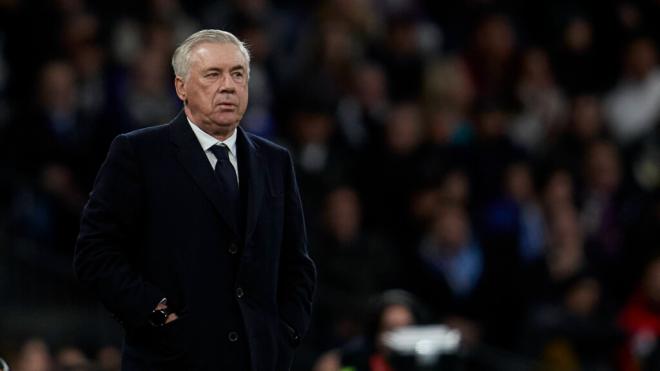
212 74
238 75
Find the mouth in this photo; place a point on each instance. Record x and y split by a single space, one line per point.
227 106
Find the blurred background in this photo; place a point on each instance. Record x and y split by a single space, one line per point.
497 162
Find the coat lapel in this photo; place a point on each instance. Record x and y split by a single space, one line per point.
194 160
253 171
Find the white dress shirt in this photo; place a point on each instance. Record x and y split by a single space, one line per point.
207 141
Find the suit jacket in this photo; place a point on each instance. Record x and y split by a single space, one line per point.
155 227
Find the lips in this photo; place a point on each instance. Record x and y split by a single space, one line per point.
227 106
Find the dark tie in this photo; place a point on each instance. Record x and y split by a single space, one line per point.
226 175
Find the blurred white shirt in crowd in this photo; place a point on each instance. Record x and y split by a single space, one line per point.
632 109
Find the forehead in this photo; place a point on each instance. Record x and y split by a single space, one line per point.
216 55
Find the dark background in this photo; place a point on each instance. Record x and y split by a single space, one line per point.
499 160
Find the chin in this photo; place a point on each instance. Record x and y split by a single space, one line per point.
226 122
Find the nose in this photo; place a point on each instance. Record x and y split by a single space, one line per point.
227 84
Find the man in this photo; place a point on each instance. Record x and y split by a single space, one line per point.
193 236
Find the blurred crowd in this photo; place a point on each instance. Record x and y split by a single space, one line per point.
497 160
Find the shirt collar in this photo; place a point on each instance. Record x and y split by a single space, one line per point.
207 141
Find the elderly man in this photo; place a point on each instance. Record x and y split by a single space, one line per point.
193 236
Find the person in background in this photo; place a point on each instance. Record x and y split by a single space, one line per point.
640 320
353 263
388 311
632 109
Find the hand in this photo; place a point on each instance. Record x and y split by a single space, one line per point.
170 317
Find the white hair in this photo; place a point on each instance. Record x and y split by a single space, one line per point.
181 57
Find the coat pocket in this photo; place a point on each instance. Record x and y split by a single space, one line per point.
158 344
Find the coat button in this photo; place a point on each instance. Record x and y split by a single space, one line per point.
239 292
233 249
232 336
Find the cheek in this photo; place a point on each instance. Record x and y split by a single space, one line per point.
198 94
244 99
210 91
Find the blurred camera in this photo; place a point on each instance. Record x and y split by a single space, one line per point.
424 348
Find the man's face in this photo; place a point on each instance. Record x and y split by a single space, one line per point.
216 88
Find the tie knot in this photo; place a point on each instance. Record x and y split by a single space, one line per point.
220 151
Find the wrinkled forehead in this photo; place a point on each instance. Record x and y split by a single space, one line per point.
217 55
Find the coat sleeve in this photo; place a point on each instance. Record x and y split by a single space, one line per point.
108 229
297 272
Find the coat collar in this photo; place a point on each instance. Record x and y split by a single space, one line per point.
252 171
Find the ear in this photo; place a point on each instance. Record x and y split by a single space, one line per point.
180 87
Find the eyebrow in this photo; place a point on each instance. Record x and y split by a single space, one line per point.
216 69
